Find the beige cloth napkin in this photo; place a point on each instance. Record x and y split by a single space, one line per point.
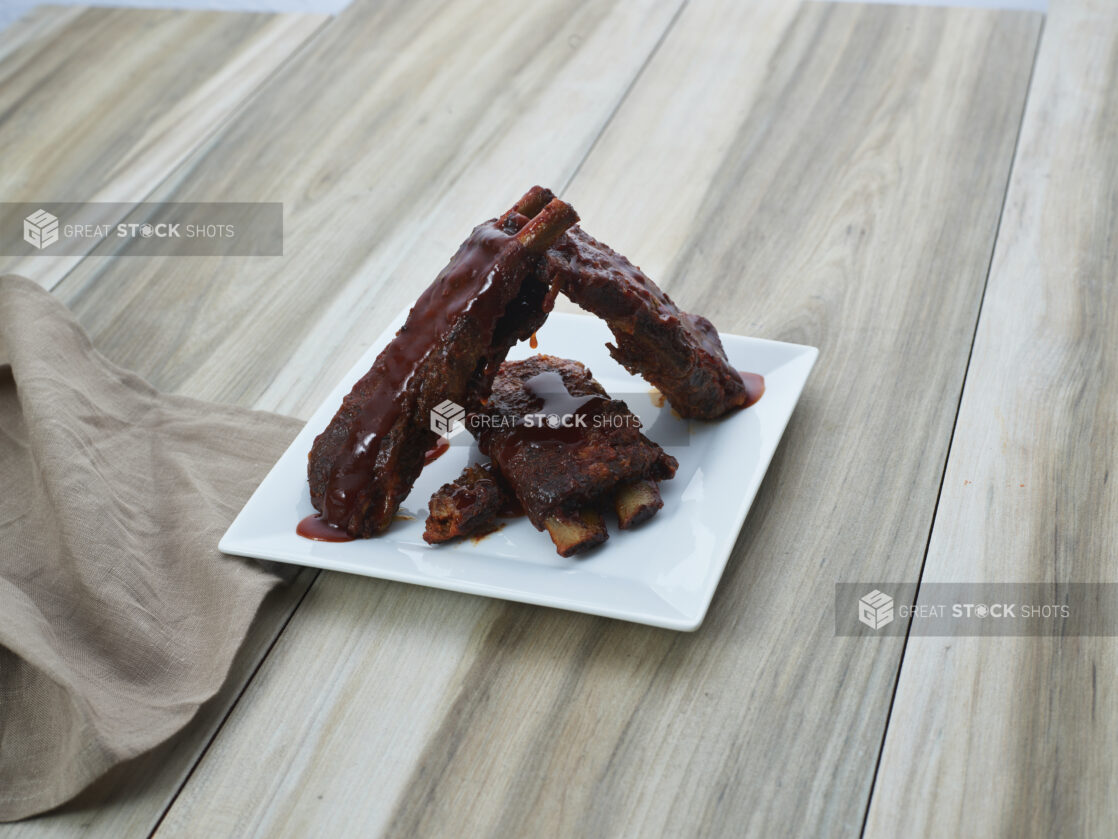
118 615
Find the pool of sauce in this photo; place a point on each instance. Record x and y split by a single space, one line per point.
316 528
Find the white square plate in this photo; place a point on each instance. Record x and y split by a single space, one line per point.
662 573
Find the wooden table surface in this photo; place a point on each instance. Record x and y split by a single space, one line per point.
929 195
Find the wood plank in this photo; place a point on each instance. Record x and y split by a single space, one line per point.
850 200
399 99
1015 736
409 128
35 27
102 104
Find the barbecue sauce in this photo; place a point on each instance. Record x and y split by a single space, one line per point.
470 285
316 528
754 387
561 418
436 451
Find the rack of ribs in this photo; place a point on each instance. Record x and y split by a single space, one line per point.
562 471
493 293
678 352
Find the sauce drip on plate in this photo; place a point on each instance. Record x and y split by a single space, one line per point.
754 387
318 529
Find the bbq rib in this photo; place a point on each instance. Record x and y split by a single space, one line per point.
467 505
492 294
678 352
562 470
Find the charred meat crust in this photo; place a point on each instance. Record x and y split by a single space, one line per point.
492 294
678 352
551 471
467 505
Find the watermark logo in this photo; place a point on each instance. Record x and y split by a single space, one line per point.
75 228
591 419
40 229
448 418
875 609
975 609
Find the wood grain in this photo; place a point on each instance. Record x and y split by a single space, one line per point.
413 122
102 104
399 99
1015 736
37 26
850 200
